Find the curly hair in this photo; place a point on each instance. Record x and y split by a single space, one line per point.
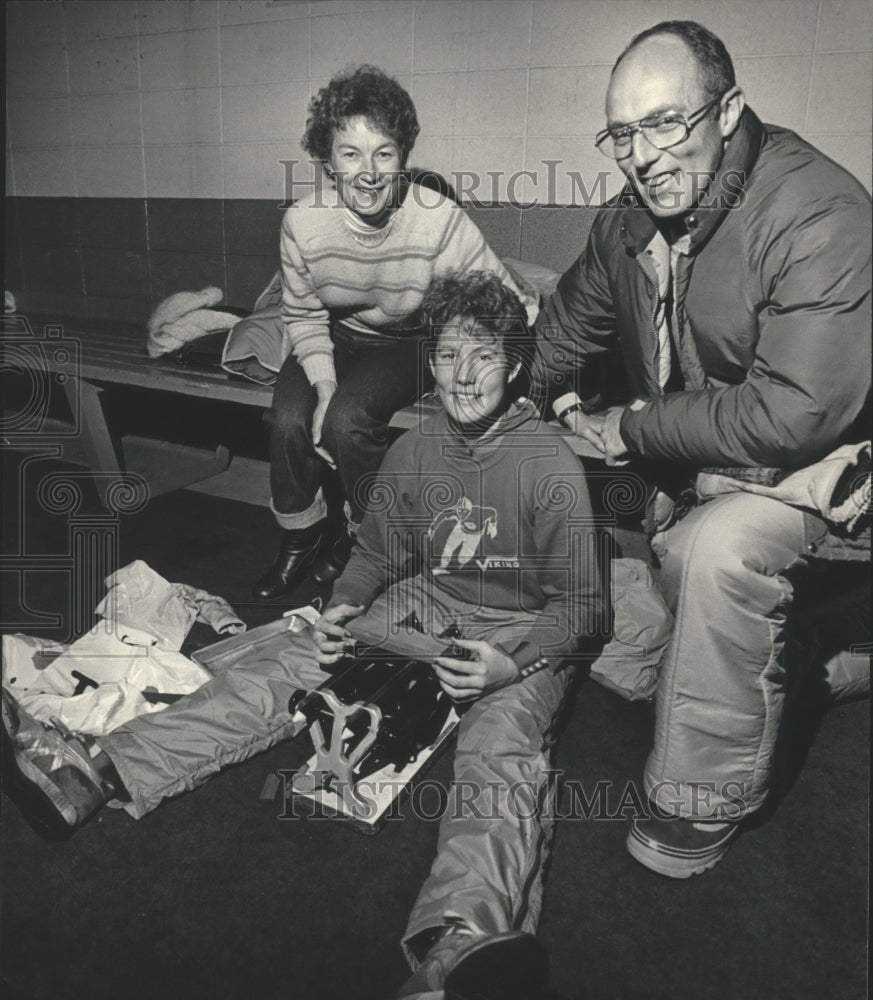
366 91
497 311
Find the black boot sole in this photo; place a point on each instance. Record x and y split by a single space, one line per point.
510 966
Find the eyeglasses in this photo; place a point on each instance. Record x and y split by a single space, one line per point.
661 131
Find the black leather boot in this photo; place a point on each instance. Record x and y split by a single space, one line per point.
333 555
296 554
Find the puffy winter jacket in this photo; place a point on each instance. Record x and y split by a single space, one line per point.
772 307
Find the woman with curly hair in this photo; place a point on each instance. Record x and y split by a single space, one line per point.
346 342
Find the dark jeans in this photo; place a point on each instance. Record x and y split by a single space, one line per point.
374 380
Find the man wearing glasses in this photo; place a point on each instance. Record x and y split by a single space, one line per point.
728 287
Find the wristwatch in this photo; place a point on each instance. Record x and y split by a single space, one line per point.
572 408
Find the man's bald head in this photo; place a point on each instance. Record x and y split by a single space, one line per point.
715 68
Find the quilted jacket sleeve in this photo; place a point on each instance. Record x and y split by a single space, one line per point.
577 322
810 378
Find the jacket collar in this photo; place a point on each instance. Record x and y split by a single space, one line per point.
639 225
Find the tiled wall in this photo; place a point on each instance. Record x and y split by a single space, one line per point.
147 142
116 258
205 99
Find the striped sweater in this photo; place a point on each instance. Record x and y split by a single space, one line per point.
329 271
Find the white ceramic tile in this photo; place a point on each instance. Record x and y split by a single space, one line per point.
495 102
44 172
273 112
256 170
566 171
90 20
34 122
482 167
472 35
442 37
154 16
433 153
440 102
854 152
109 172
248 11
106 120
322 7
569 33
180 59
36 71
754 27
181 116
845 25
382 37
185 171
28 23
500 34
265 52
841 93
776 88
104 67
567 100
491 102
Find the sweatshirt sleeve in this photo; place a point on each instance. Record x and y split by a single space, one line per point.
379 557
569 549
304 315
810 378
463 248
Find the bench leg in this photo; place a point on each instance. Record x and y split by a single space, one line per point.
162 465
97 442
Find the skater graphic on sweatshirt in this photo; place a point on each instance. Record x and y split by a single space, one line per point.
472 524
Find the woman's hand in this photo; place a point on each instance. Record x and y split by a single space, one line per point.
465 680
325 392
332 641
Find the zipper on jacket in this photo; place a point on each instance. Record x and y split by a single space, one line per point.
652 279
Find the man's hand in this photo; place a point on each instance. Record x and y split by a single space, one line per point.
332 641
465 680
325 392
589 427
614 448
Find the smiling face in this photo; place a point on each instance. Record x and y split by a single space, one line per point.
659 75
366 165
472 372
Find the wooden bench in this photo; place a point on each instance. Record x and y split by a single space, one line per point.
86 356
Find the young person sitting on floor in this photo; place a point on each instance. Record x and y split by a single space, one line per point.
479 526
